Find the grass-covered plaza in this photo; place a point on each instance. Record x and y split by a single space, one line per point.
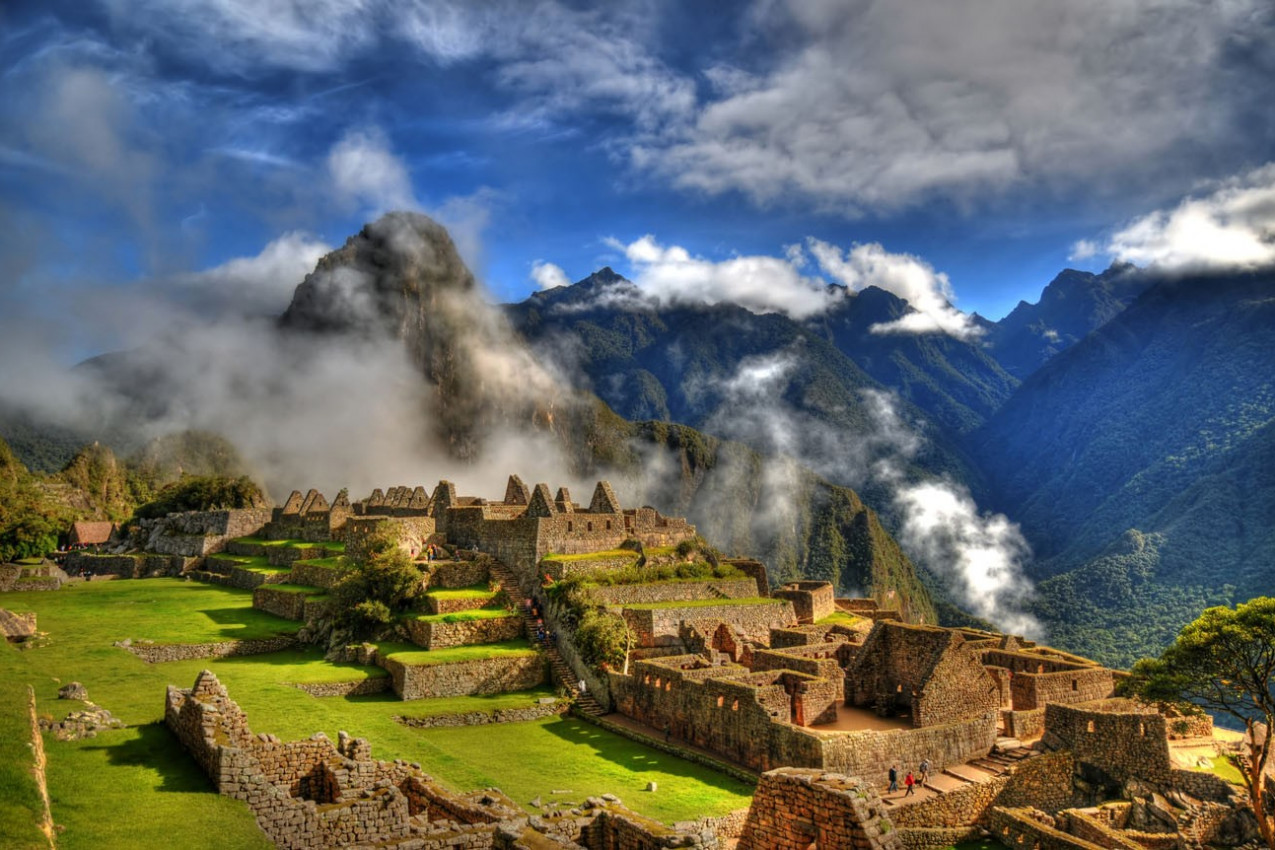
136 787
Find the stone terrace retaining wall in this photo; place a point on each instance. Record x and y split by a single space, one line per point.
481 718
937 838
155 653
560 569
795 809
466 678
126 566
662 626
455 606
314 575
674 591
282 603
455 574
438 635
376 685
1203 786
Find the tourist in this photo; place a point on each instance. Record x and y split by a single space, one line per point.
668 731
894 778
582 687
910 782
925 772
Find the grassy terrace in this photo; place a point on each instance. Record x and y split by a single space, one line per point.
331 545
704 603
589 556
840 618
136 787
477 591
332 563
410 653
306 589
465 616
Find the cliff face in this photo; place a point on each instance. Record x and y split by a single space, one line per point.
401 278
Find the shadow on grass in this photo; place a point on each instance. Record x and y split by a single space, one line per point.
154 747
235 620
637 757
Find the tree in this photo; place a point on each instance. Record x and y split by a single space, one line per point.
374 590
1224 661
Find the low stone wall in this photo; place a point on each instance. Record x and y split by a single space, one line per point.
481 718
961 808
1095 831
795 809
1036 690
456 574
937 838
466 678
436 605
1024 725
870 753
662 626
314 575
377 685
1019 827
674 591
1203 786
439 635
622 829
156 653
282 603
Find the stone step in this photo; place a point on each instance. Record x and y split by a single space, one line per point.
970 774
945 782
993 767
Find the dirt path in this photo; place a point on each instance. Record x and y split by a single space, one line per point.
37 749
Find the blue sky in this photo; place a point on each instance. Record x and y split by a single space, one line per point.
206 150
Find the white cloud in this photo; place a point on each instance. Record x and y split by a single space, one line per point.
928 292
1084 249
260 285
366 174
549 276
758 283
881 105
1231 227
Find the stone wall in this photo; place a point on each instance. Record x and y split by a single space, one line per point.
1120 739
376 685
1025 828
314 575
313 794
411 532
1203 786
439 635
820 660
797 809
674 591
1024 725
870 753
1035 690
559 569
156 653
480 718
459 573
197 533
466 678
125 566
282 603
922 670
662 626
812 600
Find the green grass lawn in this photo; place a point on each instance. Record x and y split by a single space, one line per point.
589 556
305 589
465 616
410 653
135 787
704 603
477 591
1223 769
241 560
841 618
332 563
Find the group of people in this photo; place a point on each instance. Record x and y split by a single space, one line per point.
911 780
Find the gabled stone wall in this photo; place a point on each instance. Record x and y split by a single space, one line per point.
796 809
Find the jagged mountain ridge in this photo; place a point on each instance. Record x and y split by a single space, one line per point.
1070 307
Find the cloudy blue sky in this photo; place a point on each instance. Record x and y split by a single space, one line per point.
210 150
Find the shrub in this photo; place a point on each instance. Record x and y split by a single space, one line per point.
377 588
602 638
204 493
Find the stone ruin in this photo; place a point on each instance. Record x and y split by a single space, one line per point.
16 628
316 794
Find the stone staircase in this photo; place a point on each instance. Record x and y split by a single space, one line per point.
957 776
563 675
